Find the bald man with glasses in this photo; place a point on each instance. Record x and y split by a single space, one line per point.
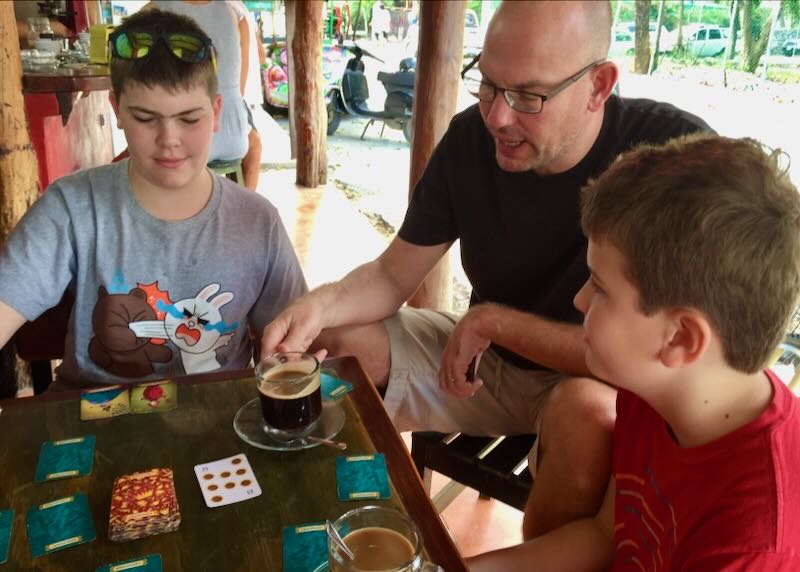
505 181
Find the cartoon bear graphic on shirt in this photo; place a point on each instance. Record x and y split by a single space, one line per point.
131 330
115 347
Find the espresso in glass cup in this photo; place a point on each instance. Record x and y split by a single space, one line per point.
289 389
381 539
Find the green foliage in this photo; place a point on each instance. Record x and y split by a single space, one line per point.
716 13
790 11
781 74
476 5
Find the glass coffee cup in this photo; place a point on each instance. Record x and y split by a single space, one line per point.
289 389
381 539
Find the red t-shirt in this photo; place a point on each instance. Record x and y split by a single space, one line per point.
732 504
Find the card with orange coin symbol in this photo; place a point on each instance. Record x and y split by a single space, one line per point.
227 481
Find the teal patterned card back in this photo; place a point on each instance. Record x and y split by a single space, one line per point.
362 477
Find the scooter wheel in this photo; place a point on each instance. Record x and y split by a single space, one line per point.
334 118
408 130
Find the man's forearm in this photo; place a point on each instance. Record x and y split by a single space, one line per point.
580 546
556 345
377 289
364 295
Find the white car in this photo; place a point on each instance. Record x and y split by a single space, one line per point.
473 33
623 39
707 41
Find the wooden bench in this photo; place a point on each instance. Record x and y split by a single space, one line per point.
496 467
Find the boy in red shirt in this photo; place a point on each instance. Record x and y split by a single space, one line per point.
694 253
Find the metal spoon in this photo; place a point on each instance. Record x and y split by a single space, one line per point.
333 534
336 444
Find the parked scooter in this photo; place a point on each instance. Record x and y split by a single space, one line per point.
350 95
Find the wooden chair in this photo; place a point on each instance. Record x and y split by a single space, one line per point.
42 340
496 467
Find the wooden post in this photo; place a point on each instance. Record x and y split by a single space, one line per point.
307 107
18 168
290 18
439 61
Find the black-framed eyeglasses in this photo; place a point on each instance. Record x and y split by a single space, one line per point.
138 44
518 100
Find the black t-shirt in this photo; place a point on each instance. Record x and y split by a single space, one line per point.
521 239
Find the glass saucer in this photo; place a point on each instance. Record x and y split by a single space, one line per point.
249 426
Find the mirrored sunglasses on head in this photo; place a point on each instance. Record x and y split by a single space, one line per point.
185 46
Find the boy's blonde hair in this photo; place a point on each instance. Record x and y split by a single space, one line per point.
161 68
709 223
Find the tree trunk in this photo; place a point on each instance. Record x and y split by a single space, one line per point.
731 47
660 21
642 40
679 43
730 51
308 106
441 45
18 171
356 20
753 48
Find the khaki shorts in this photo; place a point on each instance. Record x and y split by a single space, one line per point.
510 402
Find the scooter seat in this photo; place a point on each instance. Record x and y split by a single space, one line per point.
397 79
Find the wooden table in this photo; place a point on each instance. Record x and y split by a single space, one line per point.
298 486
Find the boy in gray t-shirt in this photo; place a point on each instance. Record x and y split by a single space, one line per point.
169 263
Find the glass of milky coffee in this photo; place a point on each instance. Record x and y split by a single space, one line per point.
381 539
289 389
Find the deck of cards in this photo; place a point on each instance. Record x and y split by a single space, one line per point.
143 504
227 481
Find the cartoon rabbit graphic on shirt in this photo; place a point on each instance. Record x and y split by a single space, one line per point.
196 328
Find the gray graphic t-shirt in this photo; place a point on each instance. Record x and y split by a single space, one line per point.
153 298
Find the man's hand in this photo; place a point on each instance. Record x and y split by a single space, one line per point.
466 343
294 329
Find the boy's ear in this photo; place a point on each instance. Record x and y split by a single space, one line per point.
687 340
216 105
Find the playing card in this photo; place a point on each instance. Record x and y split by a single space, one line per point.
227 481
152 397
305 547
362 477
149 563
6 521
59 524
143 504
104 402
66 458
332 387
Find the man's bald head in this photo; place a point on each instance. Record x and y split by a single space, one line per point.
584 25
556 50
